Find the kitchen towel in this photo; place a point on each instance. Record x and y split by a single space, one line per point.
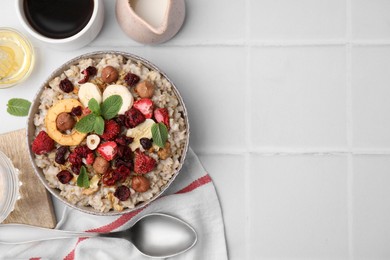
191 197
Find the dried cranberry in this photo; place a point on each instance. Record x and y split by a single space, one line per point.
90 71
119 162
110 177
124 152
64 176
123 172
122 193
66 85
60 155
76 111
76 168
146 143
134 117
124 140
82 151
132 79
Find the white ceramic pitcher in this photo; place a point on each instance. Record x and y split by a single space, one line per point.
162 22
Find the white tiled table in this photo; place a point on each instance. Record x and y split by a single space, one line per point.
290 114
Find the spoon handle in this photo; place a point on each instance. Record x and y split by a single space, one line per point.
19 233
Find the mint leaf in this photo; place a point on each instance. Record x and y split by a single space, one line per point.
86 124
159 134
93 105
99 125
111 106
18 106
83 180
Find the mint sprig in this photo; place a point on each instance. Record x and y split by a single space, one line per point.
18 106
159 134
94 122
83 179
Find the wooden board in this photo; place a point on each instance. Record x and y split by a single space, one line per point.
35 205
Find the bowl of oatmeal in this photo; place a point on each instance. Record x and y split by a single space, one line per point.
107 133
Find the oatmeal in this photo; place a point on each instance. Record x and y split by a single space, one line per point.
110 133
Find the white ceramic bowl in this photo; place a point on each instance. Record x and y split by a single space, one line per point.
35 108
82 38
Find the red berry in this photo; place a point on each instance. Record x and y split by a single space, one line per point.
108 150
143 163
64 176
75 159
132 79
122 193
123 172
90 158
90 71
162 115
42 143
110 177
134 117
145 105
82 151
111 130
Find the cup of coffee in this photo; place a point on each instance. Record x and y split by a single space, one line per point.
62 24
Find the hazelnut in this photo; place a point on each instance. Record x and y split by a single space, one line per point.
145 89
165 152
65 122
109 74
140 183
100 165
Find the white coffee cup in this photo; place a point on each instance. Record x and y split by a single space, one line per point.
80 39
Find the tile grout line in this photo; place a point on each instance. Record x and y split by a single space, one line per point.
349 126
248 129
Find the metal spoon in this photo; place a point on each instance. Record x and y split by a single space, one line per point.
154 235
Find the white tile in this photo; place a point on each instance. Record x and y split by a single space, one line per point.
370 19
298 97
371 207
299 207
370 92
229 178
210 80
297 20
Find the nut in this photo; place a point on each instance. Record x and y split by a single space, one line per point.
93 141
145 89
65 122
109 74
140 183
165 152
100 165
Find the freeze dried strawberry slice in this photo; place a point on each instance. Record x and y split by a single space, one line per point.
42 143
111 130
90 158
145 105
108 150
143 163
134 117
162 115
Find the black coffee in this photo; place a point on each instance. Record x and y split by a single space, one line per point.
58 19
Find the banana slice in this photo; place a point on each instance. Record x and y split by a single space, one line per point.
122 91
88 91
142 130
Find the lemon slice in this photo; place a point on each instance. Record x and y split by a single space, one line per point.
8 64
16 57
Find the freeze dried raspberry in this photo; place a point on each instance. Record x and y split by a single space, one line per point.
42 143
75 159
143 163
145 105
134 117
111 130
122 193
82 151
162 115
124 140
64 176
90 158
108 150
